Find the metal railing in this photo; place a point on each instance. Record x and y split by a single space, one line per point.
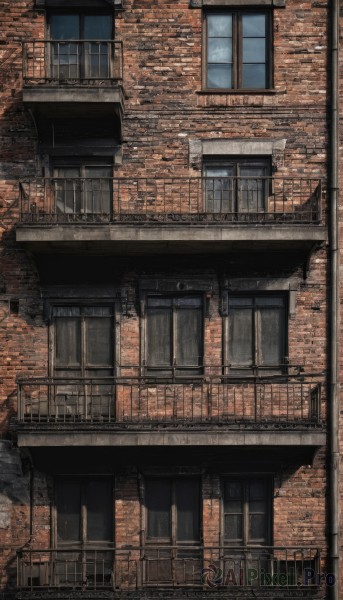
133 568
198 399
72 61
209 200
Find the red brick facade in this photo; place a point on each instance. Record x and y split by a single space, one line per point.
166 129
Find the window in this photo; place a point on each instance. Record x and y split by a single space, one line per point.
84 511
83 341
81 45
82 189
173 511
256 332
174 335
237 186
247 512
238 50
83 522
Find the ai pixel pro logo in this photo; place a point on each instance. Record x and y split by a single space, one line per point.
213 577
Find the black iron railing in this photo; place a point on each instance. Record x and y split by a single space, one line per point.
72 61
133 568
195 200
199 399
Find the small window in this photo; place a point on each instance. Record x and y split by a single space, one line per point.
173 511
82 189
83 341
174 335
80 45
247 512
256 333
237 186
84 511
238 50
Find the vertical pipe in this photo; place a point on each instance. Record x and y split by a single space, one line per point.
333 435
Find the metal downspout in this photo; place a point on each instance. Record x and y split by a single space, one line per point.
333 422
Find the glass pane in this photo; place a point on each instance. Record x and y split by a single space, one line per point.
233 527
254 50
251 196
254 25
269 301
257 528
241 337
188 337
67 190
187 505
68 342
272 337
99 341
219 76
257 490
241 301
65 27
233 490
158 503
68 505
97 311
219 50
219 25
159 323
254 76
99 511
66 311
98 185
97 27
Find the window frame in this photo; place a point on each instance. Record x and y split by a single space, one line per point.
173 367
237 63
72 303
172 541
81 163
83 481
246 479
254 369
236 163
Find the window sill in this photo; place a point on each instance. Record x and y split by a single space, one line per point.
240 91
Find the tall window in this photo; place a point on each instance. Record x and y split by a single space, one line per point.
238 50
174 335
83 341
237 186
247 512
84 511
82 189
256 332
81 45
173 511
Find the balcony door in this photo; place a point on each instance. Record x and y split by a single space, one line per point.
236 186
82 189
81 47
83 531
82 361
172 519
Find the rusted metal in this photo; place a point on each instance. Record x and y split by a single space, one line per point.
196 200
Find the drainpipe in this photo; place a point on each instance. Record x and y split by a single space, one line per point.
333 421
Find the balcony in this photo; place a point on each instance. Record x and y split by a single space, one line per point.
175 214
210 408
73 77
223 569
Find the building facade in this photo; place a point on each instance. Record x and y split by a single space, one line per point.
168 298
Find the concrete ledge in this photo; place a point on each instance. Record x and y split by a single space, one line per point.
171 438
72 95
176 238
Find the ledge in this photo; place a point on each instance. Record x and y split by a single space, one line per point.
171 438
143 238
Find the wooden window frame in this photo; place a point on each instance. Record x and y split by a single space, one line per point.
83 304
144 337
257 368
83 480
172 541
237 49
246 480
